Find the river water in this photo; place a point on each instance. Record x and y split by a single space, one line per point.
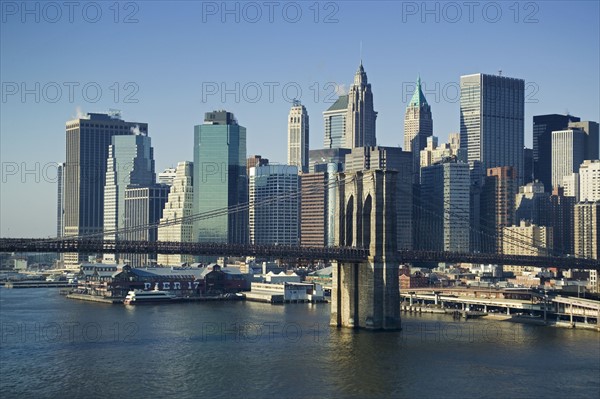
55 347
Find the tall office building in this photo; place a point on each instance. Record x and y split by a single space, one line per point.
592 137
298 137
587 230
543 126
562 210
528 166
589 180
335 123
446 206
390 158
418 126
313 209
130 162
60 200
360 116
87 142
220 179
497 206
143 207
492 130
274 222
173 224
568 152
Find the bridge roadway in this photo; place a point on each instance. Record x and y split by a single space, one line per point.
342 254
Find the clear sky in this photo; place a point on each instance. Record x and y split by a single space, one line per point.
167 63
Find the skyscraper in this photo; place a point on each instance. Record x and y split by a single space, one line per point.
418 126
335 123
143 207
173 226
220 179
562 221
360 116
492 130
589 180
87 141
568 152
587 230
60 200
130 162
274 222
298 137
592 137
446 206
497 206
313 209
543 126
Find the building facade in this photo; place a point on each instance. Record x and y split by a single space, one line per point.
418 126
143 210
298 137
175 224
274 193
497 206
87 142
589 180
446 205
543 126
313 209
335 123
360 116
220 179
492 111
587 230
568 152
527 239
130 162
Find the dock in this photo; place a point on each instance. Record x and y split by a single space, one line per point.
39 284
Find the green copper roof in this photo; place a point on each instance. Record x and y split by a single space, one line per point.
341 103
418 98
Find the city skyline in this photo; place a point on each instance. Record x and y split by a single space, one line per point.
176 102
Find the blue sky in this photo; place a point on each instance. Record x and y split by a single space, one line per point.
167 63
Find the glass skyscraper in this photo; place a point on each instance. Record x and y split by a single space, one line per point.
335 123
220 179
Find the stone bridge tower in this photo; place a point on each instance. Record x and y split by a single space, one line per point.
366 295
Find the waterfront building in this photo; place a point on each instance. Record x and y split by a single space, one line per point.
335 123
568 152
298 137
492 130
543 126
587 229
173 224
143 210
130 162
274 222
87 142
360 116
220 179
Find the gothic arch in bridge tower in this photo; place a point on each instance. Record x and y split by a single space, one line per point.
365 295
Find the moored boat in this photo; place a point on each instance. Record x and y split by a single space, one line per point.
140 297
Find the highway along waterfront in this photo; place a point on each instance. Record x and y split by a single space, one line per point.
55 347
